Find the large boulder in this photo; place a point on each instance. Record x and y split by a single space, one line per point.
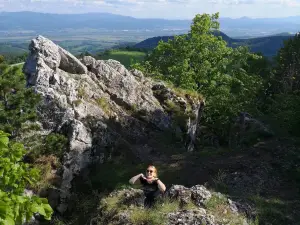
98 103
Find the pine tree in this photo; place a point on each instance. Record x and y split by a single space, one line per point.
17 103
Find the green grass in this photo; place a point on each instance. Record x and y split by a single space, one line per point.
276 211
10 49
157 215
103 103
219 207
124 57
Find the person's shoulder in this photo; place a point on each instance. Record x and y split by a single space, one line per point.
155 180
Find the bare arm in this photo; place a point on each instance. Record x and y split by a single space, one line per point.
136 179
161 186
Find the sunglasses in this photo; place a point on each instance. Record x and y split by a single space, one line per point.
149 171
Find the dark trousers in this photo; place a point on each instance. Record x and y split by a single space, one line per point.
149 202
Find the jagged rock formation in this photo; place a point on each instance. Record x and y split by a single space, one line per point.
99 104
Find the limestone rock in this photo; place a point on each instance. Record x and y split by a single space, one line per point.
190 217
198 194
98 104
130 197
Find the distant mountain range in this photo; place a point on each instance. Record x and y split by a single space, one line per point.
33 21
42 22
268 46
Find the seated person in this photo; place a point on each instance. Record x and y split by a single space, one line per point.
151 185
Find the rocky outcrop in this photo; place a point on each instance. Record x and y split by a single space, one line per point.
201 207
197 194
98 103
197 216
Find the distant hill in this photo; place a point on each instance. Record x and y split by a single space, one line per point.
33 21
266 45
25 23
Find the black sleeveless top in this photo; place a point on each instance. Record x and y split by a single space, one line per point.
150 190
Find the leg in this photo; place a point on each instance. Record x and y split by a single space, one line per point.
148 203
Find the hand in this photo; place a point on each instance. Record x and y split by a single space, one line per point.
142 176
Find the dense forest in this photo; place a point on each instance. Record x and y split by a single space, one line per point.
233 81
268 46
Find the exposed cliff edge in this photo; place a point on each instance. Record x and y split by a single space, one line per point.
99 104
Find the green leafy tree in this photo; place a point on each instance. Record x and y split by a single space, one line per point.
17 103
282 98
288 70
15 207
203 62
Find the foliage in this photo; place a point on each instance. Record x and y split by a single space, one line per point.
14 176
281 101
284 114
55 144
38 146
287 75
17 103
202 62
12 59
47 179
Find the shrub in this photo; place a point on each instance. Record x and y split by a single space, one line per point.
201 62
17 103
55 144
15 207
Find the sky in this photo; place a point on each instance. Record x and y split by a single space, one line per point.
169 9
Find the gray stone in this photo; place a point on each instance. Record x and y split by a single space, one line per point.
190 217
200 194
83 98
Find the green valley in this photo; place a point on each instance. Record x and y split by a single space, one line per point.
83 139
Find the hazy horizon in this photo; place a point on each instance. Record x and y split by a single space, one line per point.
80 13
164 9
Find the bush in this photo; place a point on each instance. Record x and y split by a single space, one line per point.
55 144
15 207
17 103
203 63
284 114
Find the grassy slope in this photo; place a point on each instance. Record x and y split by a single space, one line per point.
125 57
267 185
12 49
